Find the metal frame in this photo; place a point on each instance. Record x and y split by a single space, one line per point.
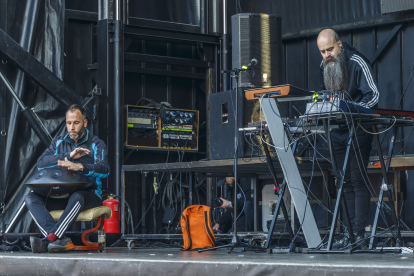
389 188
168 25
171 36
291 173
370 120
193 173
340 200
38 72
280 201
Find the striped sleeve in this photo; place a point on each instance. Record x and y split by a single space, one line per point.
366 83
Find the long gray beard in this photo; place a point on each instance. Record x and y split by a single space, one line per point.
335 73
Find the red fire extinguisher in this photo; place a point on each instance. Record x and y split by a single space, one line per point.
112 225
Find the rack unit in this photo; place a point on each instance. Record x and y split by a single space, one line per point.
151 128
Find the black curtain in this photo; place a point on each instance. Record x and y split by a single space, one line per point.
23 146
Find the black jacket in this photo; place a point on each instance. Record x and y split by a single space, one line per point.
245 184
362 86
95 164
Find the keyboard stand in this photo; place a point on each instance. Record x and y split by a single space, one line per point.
291 172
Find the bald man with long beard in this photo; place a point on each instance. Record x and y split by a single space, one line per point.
348 73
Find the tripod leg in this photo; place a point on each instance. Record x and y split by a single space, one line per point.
285 214
213 248
341 201
275 214
389 187
374 225
347 219
234 242
280 202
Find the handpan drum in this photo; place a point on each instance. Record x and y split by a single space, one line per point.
58 182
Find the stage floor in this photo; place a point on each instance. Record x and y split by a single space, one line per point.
172 261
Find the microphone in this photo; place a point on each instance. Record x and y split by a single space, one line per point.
252 63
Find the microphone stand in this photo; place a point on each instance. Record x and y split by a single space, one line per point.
235 242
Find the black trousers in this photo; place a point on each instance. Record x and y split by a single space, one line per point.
39 208
355 189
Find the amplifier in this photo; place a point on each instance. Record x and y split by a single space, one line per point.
150 128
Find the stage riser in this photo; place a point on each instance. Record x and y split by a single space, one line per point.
133 262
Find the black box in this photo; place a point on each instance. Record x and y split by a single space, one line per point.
222 121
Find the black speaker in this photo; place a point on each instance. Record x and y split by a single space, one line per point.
222 121
257 36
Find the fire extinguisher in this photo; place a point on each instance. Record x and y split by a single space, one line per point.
112 225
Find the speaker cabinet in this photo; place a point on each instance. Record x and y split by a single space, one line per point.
259 36
222 122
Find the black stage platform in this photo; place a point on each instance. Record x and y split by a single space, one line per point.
173 262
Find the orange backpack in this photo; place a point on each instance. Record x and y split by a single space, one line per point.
196 227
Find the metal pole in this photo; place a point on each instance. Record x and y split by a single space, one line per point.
26 41
236 156
103 12
224 56
118 102
340 200
33 122
389 188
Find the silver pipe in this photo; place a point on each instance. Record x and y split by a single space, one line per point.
117 8
104 9
224 16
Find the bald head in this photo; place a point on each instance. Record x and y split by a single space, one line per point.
328 34
329 43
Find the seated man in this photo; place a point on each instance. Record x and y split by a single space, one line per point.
245 211
78 151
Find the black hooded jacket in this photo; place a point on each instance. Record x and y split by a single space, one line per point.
362 86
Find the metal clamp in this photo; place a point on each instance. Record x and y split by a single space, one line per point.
95 91
41 123
2 206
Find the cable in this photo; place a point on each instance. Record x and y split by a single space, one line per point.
405 90
245 72
234 164
395 120
153 198
407 137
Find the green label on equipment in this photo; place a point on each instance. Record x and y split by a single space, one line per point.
177 129
130 125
